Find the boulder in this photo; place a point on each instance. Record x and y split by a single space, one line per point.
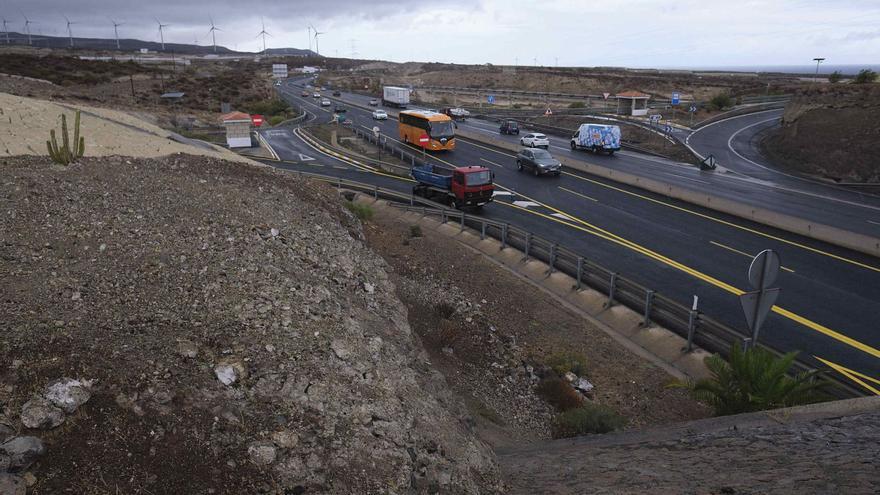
22 452
69 394
262 453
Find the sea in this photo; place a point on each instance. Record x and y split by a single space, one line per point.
845 69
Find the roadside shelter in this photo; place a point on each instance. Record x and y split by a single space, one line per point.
238 129
632 103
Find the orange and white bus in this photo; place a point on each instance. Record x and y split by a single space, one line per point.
439 128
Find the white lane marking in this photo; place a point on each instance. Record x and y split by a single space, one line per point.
502 193
276 132
490 162
525 204
305 158
559 215
687 139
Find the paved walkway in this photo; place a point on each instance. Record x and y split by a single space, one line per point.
786 452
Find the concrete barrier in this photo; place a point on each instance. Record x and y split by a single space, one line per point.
826 233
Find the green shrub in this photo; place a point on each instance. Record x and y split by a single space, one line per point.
562 362
865 76
835 77
277 119
720 101
363 212
589 418
69 151
754 380
577 104
559 393
415 231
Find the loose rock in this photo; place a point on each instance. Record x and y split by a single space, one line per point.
285 439
11 484
187 349
262 453
22 452
69 394
229 371
40 413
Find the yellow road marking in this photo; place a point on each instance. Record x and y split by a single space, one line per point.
852 375
577 193
493 163
729 224
597 231
747 255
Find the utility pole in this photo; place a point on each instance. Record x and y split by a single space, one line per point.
818 61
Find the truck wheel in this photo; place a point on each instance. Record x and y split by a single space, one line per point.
518 166
610 152
573 146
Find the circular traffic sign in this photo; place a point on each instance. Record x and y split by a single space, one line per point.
764 269
376 130
424 139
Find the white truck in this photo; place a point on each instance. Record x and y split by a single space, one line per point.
394 96
597 138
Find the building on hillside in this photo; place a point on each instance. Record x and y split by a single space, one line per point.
632 103
238 129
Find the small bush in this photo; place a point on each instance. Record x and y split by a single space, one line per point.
835 77
363 212
577 104
415 231
865 76
566 361
273 121
720 101
559 394
589 418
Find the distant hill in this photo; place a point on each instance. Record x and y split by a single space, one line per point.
130 45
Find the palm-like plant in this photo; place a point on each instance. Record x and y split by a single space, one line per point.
754 380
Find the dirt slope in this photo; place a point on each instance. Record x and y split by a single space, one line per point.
831 132
157 278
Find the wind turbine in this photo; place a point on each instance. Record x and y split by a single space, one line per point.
309 27
263 33
317 33
6 30
161 34
27 28
213 37
116 31
69 32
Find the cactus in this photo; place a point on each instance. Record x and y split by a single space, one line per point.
63 154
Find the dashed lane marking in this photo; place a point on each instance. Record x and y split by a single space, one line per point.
577 193
743 253
490 162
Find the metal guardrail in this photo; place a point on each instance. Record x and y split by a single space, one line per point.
695 327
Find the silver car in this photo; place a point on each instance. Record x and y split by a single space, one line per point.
535 140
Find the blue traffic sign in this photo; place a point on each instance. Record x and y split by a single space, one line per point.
676 98
490 99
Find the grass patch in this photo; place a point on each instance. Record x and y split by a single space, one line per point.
559 393
577 104
415 231
565 361
363 212
589 418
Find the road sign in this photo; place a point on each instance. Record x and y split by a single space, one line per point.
757 304
424 139
491 99
376 131
257 120
655 117
667 129
709 163
764 269
606 95
676 98
693 108
548 113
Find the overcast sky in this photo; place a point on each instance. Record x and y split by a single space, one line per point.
635 33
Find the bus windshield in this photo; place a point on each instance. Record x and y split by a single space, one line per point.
479 178
442 130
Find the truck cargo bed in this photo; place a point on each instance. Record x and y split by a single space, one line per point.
428 175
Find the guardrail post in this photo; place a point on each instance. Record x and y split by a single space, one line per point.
375 192
692 324
612 287
412 199
482 230
580 271
746 343
443 215
504 235
649 302
552 257
412 160
528 246
338 183
462 222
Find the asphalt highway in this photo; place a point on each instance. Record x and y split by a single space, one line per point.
830 296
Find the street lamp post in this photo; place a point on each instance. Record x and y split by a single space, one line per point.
818 61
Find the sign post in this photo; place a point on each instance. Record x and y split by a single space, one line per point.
257 120
676 99
756 304
605 102
693 110
490 99
423 142
378 144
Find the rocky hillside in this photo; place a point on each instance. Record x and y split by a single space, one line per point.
831 132
189 325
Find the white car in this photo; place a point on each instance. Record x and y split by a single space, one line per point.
316 95
535 140
380 115
325 102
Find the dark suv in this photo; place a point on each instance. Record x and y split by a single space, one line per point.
509 127
337 93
